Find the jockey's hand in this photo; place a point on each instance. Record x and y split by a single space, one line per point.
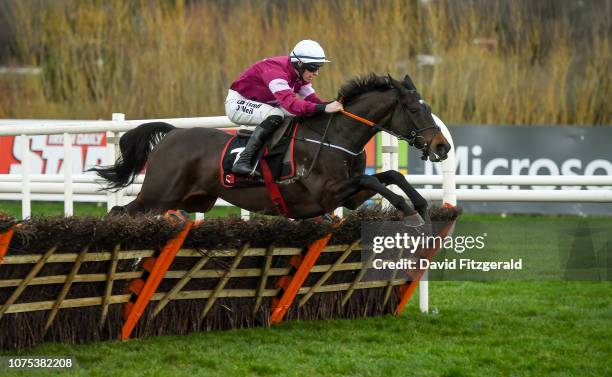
333 107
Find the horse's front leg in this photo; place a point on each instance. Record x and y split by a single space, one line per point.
364 187
392 177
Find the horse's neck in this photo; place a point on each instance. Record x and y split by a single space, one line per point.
375 107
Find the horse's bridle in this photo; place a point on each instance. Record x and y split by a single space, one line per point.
414 134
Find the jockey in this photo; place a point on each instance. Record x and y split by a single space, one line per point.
274 88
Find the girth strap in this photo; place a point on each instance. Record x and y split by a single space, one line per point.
273 190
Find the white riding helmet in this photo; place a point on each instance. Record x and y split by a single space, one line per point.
308 51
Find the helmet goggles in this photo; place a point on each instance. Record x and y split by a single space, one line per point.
312 67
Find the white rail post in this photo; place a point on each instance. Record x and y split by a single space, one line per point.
119 193
112 198
26 205
449 183
424 292
110 159
244 214
390 157
449 197
386 149
67 167
394 153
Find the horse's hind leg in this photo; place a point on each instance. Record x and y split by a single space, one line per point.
135 207
198 203
116 211
191 203
132 208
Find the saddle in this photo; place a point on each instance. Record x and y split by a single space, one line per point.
276 136
277 152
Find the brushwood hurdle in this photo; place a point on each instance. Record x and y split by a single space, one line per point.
78 279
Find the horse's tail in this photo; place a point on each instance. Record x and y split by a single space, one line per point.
135 146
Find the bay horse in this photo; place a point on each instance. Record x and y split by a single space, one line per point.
183 164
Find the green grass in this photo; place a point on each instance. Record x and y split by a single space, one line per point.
13 208
549 248
479 329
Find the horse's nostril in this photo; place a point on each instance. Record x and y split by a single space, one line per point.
443 149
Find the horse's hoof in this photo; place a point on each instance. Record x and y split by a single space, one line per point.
414 220
425 215
417 224
177 215
116 211
329 218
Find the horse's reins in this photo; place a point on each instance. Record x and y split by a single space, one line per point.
320 147
414 134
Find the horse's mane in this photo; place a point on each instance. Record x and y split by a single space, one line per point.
364 84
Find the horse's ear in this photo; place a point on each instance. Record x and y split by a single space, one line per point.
408 84
390 79
394 83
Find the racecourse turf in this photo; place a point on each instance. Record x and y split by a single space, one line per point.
509 328
13 208
478 329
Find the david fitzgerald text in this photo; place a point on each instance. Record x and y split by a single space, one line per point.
453 264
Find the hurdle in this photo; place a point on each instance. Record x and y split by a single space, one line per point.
129 278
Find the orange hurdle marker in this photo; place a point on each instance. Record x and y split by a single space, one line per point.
146 289
5 241
280 308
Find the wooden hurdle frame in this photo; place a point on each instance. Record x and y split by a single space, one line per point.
155 267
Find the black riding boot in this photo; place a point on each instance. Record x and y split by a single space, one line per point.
244 165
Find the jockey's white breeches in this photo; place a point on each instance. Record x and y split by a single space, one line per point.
244 111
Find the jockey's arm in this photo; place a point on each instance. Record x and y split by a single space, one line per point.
308 93
293 101
288 100
304 102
